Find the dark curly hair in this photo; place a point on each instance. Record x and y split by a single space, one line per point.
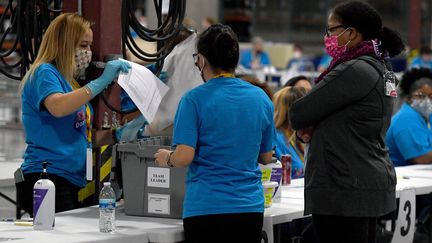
366 20
409 84
219 44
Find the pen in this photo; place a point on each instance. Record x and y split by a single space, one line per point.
23 223
16 220
7 220
405 177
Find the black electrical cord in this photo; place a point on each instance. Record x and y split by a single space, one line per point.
111 107
10 15
28 21
164 35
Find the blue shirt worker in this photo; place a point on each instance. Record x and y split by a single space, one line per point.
286 140
222 129
424 60
256 57
409 137
55 114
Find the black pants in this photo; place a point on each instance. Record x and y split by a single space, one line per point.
240 227
66 193
339 229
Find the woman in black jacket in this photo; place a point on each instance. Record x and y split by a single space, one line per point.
349 179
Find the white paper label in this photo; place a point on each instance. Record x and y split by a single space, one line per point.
405 223
158 177
89 164
159 203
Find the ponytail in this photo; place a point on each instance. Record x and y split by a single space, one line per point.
391 41
226 51
219 44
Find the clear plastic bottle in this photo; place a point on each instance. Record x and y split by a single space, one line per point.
107 204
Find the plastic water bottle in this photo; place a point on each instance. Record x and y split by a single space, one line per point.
107 201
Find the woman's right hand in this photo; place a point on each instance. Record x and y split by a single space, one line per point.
112 69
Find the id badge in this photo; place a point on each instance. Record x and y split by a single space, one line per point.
390 84
89 164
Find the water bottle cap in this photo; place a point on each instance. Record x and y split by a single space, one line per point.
107 183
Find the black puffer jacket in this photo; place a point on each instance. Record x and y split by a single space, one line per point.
348 170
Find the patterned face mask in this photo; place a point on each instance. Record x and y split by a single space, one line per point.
423 106
82 59
332 47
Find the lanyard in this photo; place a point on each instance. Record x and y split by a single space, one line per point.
76 86
224 75
297 147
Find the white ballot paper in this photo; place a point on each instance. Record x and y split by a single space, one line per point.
144 88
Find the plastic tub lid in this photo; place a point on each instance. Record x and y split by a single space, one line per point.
271 184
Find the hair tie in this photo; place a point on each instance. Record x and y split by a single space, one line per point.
376 45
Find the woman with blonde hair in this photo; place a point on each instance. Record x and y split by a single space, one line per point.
55 111
286 141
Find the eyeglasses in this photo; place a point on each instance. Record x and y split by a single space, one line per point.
420 95
329 30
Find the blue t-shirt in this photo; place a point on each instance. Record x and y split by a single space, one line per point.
297 167
247 56
325 61
418 62
62 142
229 122
408 136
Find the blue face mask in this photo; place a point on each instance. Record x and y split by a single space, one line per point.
423 106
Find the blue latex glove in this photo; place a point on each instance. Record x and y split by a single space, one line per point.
112 69
163 76
126 103
131 130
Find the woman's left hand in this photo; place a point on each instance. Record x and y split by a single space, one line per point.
161 157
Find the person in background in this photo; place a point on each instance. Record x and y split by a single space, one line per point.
55 112
303 82
286 140
256 57
299 62
424 60
349 178
324 62
409 137
133 123
224 196
207 22
299 81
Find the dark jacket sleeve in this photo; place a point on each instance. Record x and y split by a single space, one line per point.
347 83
